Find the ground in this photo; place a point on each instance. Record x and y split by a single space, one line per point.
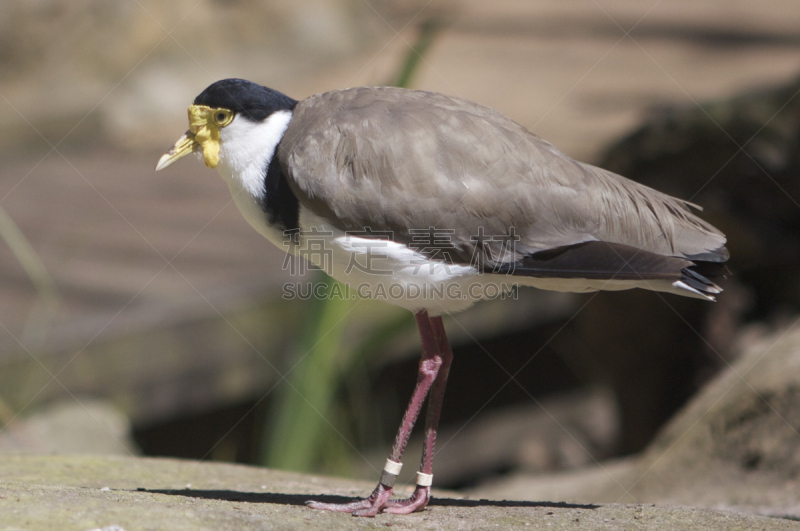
89 492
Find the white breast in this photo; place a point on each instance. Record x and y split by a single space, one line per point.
245 151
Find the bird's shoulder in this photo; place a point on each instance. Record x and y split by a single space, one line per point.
395 120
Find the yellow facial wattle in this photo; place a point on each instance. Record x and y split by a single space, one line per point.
206 132
204 125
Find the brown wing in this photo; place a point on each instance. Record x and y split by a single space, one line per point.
403 161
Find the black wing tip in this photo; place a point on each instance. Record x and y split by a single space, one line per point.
718 255
697 283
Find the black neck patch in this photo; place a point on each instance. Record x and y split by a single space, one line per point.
279 203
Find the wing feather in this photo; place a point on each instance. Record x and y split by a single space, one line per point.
403 161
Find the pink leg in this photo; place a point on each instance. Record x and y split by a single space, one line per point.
419 499
428 369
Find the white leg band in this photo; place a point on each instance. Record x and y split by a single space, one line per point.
424 480
393 467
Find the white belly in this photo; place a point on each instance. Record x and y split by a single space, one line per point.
390 271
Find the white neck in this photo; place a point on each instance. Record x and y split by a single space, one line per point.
246 149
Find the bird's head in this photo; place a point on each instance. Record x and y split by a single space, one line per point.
216 111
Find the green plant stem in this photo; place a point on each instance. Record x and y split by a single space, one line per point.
427 33
302 415
27 257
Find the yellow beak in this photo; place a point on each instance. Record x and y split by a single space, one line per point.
185 145
203 133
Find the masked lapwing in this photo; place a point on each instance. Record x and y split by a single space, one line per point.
431 202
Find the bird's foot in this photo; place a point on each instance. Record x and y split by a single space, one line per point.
366 507
416 502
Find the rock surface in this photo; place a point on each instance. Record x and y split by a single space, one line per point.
82 425
734 446
84 492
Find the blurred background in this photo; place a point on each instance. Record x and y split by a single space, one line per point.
140 314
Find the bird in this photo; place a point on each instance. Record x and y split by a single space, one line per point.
427 201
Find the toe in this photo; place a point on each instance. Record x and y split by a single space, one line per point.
416 502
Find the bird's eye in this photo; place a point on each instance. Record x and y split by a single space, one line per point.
223 117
